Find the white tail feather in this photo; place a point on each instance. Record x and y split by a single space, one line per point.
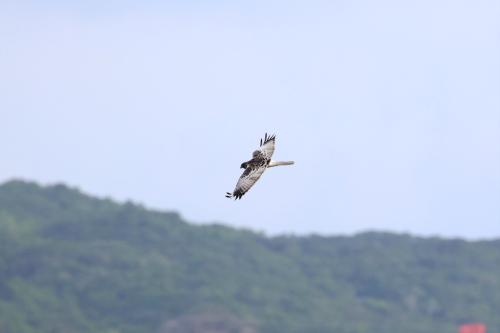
277 163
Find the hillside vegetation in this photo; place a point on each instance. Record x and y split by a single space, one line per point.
73 263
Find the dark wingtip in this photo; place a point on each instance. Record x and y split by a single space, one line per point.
267 138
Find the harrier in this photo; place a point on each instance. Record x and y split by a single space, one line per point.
254 168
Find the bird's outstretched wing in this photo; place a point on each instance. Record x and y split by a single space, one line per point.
247 180
267 146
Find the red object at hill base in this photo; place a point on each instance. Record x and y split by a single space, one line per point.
472 328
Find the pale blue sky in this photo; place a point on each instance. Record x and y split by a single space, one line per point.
391 109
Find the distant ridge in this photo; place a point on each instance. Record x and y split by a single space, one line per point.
70 262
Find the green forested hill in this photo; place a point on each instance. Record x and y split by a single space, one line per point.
73 263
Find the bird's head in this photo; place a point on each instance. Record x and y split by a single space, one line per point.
243 165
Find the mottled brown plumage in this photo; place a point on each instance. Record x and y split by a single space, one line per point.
254 168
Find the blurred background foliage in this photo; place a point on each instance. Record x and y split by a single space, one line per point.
73 263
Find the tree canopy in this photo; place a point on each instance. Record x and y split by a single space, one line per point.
73 263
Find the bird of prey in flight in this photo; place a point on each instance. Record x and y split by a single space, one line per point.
254 168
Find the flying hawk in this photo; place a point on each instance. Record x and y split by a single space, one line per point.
254 168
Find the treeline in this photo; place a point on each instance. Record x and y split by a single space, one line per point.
73 263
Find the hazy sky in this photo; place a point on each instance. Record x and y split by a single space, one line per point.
391 109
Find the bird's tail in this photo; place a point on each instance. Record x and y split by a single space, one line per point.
277 163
